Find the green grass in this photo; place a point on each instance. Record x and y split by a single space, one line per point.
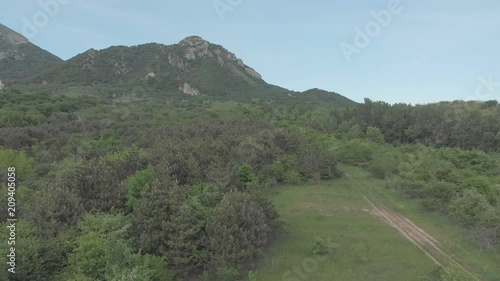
454 238
367 248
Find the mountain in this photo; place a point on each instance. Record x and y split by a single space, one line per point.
194 67
20 59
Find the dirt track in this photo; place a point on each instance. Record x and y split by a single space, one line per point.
419 237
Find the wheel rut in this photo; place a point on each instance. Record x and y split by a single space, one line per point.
412 232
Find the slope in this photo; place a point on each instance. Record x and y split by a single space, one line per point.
194 67
20 59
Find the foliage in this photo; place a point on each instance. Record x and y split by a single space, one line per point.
322 246
237 230
137 184
172 186
470 207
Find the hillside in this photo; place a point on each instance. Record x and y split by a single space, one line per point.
20 59
194 66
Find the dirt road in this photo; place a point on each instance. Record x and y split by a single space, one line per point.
419 237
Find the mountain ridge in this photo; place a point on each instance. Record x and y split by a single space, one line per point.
192 67
185 66
19 58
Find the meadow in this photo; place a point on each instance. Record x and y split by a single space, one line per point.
363 246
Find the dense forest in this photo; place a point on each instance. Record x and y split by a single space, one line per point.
105 200
178 189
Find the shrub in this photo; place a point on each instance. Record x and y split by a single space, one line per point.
322 246
471 207
228 274
383 166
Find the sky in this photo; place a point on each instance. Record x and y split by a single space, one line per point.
405 51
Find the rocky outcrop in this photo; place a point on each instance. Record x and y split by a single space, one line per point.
90 60
12 54
2 86
188 90
16 39
253 73
11 37
121 68
149 76
197 47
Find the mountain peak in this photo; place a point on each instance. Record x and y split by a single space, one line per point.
193 41
10 36
20 59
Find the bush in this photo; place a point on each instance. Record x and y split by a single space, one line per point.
382 167
471 207
228 274
292 177
374 135
322 246
440 192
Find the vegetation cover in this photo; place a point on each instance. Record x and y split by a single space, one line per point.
159 162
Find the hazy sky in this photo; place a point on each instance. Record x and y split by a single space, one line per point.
417 52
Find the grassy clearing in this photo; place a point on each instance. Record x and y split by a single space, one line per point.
455 239
368 249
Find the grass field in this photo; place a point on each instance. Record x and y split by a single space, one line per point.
455 239
367 247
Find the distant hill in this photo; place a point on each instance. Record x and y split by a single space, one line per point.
193 67
319 96
20 59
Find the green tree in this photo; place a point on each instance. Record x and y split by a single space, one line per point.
136 185
237 231
246 175
164 224
470 207
374 135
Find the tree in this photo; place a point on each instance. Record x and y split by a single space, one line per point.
136 184
374 135
164 225
237 231
246 175
354 132
101 252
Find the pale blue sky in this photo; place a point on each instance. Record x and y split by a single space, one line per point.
430 51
